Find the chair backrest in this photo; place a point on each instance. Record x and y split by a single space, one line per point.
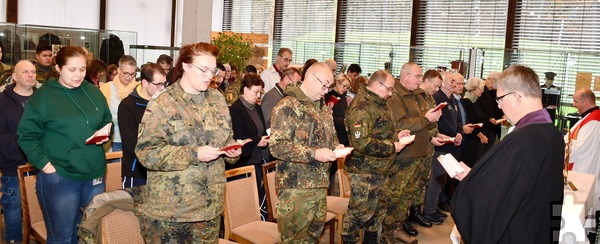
30 207
268 174
113 171
241 198
121 227
343 178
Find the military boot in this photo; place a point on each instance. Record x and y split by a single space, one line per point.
416 216
370 237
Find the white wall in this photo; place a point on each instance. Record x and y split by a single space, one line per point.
64 13
2 10
151 19
217 15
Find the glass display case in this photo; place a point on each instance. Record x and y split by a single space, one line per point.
146 54
21 41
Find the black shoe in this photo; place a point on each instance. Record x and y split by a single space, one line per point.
409 229
444 206
441 214
416 217
433 219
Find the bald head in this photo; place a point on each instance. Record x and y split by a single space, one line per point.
317 81
411 76
24 75
584 99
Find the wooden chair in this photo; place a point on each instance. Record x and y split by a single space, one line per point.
242 212
33 220
121 227
339 204
113 180
268 171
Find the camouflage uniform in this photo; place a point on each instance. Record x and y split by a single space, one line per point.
372 134
42 76
5 74
423 179
408 112
181 188
299 127
232 92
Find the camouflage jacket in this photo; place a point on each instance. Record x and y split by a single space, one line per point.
408 112
180 188
372 134
42 76
429 103
232 92
299 127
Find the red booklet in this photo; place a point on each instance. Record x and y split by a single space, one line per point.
99 135
440 106
238 144
478 125
332 100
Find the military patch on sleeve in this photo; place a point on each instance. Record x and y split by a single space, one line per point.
357 127
141 129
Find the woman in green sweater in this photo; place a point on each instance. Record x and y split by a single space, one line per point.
56 122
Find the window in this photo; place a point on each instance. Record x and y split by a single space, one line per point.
247 16
558 36
448 29
374 32
306 27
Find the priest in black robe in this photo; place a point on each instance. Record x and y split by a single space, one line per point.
514 189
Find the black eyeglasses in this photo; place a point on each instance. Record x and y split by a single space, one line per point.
159 84
499 99
387 87
128 74
325 87
204 69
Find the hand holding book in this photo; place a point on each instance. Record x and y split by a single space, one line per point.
455 169
100 136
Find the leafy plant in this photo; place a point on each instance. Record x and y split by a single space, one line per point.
233 49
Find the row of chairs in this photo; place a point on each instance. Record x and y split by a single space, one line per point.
241 217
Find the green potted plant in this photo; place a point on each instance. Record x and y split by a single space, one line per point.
233 49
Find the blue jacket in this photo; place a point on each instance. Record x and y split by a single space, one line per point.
449 124
11 111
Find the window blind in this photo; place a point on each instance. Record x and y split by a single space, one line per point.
248 16
447 29
558 36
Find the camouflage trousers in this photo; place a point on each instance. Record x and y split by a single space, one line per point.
301 214
163 231
406 188
367 206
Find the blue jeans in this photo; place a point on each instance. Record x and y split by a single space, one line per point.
11 204
117 146
62 201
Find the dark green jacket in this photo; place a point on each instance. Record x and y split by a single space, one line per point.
299 127
372 133
55 125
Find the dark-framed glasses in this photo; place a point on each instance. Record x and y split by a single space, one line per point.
159 84
499 99
387 87
324 87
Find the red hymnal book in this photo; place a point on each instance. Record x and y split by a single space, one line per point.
440 106
238 144
332 100
99 135
478 125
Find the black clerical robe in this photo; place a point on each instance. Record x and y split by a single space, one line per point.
509 195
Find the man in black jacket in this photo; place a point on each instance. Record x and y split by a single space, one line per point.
12 103
131 110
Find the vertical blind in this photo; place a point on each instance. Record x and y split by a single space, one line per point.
307 27
248 16
448 29
373 32
558 36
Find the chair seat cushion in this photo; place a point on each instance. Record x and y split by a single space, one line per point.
337 205
258 232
